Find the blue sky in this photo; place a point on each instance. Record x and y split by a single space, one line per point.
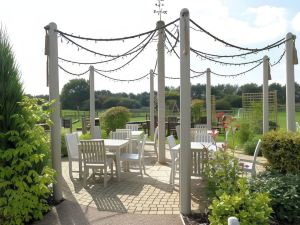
246 23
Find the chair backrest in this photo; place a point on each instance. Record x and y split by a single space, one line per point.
97 132
121 135
178 131
205 138
201 126
128 131
195 131
72 142
134 127
257 149
141 146
171 141
93 151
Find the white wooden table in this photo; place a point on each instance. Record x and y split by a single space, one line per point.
113 145
198 155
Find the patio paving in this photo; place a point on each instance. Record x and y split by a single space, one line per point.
133 200
133 194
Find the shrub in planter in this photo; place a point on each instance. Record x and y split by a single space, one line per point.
282 149
221 174
244 133
115 117
284 191
250 145
249 208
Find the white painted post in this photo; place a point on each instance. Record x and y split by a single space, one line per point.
55 115
208 99
92 102
290 83
266 73
161 93
185 115
151 103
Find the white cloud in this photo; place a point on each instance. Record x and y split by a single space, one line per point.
296 22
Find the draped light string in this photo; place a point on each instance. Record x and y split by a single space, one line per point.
205 55
237 74
227 44
171 48
128 62
116 39
72 73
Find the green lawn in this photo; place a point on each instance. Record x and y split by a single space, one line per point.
282 119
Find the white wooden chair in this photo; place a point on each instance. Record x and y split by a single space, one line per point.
133 127
72 142
205 138
201 126
174 158
250 166
195 131
136 157
154 142
119 135
94 157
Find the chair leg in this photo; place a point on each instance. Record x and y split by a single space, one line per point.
85 173
144 167
105 177
70 169
111 169
155 149
141 171
171 174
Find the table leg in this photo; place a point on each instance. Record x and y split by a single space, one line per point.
80 164
118 166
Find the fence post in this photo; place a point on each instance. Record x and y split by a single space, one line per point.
55 115
161 93
185 115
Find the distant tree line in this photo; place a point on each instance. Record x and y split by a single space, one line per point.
75 95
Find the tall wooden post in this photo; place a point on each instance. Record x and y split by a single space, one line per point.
92 102
290 83
185 115
266 74
161 93
55 115
151 103
208 99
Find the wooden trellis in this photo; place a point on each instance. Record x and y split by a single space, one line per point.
248 99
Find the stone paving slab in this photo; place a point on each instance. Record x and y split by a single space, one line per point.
151 195
71 213
133 194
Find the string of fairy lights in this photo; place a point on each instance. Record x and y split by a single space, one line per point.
171 44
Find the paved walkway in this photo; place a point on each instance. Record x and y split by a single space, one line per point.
133 200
